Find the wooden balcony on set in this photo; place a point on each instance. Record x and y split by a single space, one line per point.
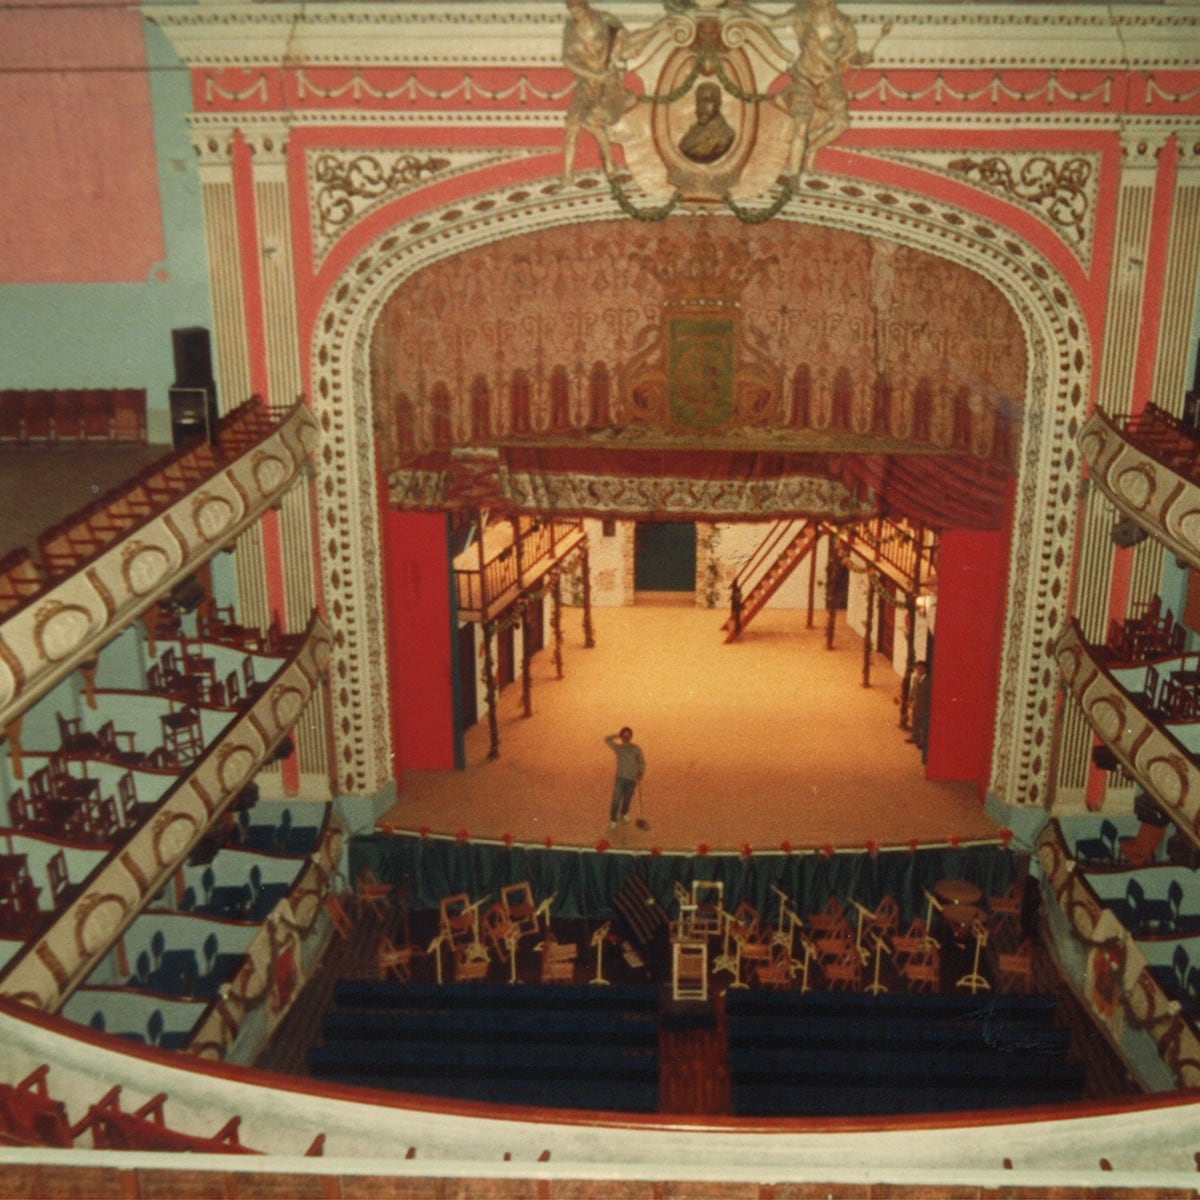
54 963
103 567
1160 753
509 558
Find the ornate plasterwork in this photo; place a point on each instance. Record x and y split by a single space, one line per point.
1044 512
1059 186
346 185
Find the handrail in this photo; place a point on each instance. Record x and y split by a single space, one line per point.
1095 925
53 964
780 535
1163 766
539 546
51 632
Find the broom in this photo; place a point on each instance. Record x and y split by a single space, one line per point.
641 821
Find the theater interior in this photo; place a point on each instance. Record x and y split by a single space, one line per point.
400 400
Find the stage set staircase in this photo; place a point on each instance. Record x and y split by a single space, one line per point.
786 545
890 549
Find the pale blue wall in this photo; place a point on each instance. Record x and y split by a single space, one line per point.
119 335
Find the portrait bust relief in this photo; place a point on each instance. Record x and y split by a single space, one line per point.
710 135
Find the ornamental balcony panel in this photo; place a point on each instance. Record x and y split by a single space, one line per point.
278 959
1162 501
1161 757
111 584
54 964
1143 1003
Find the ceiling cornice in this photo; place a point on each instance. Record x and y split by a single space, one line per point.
528 33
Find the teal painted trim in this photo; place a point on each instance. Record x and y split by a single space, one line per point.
1025 823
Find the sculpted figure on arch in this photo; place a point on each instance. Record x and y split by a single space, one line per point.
815 98
595 47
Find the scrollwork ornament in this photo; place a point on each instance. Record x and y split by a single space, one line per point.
1060 190
346 183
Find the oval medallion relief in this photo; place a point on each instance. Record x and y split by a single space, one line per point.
60 628
144 567
270 473
99 920
211 515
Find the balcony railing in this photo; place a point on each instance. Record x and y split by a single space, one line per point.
511 566
1121 705
1150 469
106 565
57 961
1145 1005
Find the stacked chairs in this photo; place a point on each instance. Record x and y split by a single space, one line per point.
563 1045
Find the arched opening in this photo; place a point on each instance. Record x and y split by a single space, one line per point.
831 469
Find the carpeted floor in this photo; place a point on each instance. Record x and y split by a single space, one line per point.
771 738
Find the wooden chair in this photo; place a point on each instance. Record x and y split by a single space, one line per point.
1014 970
557 959
520 909
371 893
845 971
832 915
393 960
498 930
923 970
468 968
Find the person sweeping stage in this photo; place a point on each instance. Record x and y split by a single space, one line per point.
631 766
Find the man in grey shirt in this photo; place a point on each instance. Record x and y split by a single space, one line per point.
631 766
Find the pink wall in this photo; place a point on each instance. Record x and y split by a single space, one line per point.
966 660
79 188
421 670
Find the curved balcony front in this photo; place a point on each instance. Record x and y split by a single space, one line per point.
1163 758
52 965
1109 951
1129 468
70 619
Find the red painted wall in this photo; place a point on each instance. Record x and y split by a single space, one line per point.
420 667
972 575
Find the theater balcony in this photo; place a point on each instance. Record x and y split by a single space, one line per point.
106 565
59 958
1143 711
1148 465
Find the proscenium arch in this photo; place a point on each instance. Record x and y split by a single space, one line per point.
1042 537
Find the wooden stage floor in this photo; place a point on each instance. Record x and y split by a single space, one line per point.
770 739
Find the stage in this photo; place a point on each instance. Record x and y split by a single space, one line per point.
767 740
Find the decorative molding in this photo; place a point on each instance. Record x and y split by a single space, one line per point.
345 186
1163 502
1045 503
77 938
1143 1003
1162 765
48 637
1061 187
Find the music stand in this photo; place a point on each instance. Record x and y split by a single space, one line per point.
974 980
598 939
